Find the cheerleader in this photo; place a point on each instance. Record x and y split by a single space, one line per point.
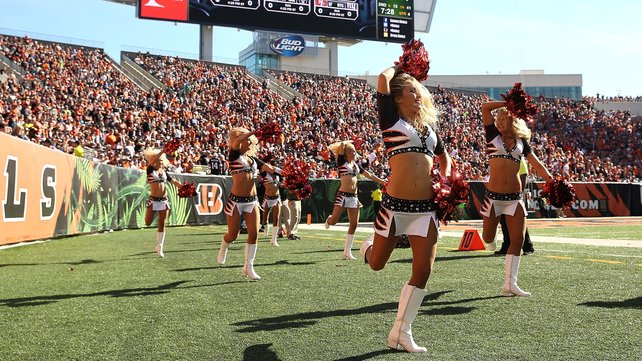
242 201
271 202
507 142
408 120
346 197
157 178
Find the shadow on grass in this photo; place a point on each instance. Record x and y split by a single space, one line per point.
192 235
259 353
190 250
369 355
147 253
210 241
448 309
130 292
76 263
277 263
323 251
306 319
450 258
635 303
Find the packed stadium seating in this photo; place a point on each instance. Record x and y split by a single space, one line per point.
78 100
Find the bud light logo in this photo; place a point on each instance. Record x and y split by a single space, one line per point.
291 45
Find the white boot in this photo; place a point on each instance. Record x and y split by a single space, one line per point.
365 246
326 224
511 268
266 230
222 252
401 333
248 266
347 247
160 240
492 245
275 232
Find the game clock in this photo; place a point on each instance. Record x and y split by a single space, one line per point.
378 20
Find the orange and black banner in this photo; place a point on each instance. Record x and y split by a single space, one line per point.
35 188
593 200
45 193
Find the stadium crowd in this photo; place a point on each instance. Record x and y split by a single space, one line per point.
615 99
77 100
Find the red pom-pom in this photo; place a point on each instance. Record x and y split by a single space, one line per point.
414 60
304 192
450 192
171 146
267 157
270 133
519 104
187 190
296 173
559 193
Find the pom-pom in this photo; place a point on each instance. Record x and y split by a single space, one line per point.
171 146
305 192
414 60
270 133
559 193
267 157
384 188
450 192
519 104
187 190
296 173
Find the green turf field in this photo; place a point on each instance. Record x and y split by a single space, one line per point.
109 297
628 232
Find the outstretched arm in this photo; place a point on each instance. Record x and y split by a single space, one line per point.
373 177
266 167
487 108
538 167
176 183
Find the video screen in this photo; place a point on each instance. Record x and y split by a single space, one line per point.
375 20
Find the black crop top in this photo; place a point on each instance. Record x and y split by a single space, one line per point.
495 147
348 168
400 136
157 176
240 163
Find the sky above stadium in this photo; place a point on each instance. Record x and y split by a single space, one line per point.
595 38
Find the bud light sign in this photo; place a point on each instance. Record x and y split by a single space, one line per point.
291 45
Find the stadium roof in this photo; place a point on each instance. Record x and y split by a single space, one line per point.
423 14
424 10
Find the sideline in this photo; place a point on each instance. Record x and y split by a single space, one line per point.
456 230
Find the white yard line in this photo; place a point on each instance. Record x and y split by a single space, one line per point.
367 228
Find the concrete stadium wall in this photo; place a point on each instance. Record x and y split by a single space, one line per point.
634 107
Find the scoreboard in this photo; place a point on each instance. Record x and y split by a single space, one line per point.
377 20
